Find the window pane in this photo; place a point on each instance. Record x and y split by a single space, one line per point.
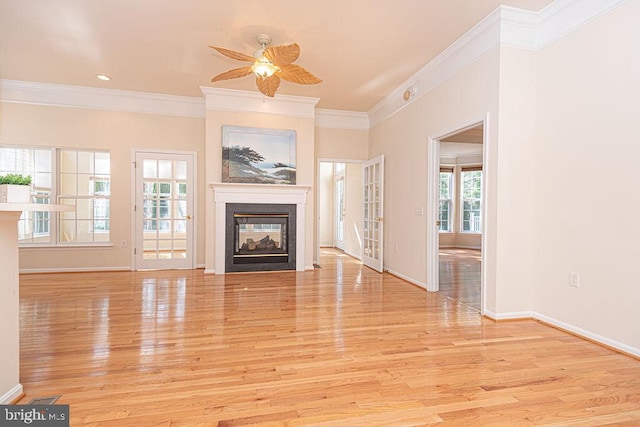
85 162
149 169
33 227
471 196
80 186
164 169
68 161
102 163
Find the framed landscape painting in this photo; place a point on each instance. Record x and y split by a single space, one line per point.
258 156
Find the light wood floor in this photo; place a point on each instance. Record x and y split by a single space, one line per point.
340 345
460 275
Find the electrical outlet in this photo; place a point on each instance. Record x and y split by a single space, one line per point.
574 280
123 243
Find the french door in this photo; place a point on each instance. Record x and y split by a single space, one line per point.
373 227
164 210
340 210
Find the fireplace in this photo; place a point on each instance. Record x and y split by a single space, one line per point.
260 237
293 197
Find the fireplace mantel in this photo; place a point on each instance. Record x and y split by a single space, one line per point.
224 192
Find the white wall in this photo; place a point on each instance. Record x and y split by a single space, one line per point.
586 202
325 203
354 209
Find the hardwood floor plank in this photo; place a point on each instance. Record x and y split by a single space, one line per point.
340 345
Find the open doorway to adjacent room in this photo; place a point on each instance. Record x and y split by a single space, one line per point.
460 216
340 208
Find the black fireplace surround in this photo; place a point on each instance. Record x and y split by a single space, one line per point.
260 237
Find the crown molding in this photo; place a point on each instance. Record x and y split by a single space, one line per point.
483 38
99 99
245 101
562 17
504 27
339 119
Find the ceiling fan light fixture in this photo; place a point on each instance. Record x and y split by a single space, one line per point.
264 68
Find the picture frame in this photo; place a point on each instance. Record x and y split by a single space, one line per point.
258 155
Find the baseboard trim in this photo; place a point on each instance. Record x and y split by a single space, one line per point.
73 270
568 328
459 247
353 255
407 279
514 315
589 336
13 395
209 271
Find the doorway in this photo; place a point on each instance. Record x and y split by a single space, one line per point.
455 239
163 225
339 207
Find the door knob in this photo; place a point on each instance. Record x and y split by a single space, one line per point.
188 216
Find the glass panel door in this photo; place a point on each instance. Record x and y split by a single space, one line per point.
373 227
164 211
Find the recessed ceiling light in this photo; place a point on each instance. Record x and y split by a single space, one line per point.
103 77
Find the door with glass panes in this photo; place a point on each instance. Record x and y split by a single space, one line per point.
373 227
164 210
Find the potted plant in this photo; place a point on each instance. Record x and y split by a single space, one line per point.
15 188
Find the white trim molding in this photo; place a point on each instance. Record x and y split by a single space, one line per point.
608 342
245 101
99 99
12 395
407 279
504 27
582 333
338 119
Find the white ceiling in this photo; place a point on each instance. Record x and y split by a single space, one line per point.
362 49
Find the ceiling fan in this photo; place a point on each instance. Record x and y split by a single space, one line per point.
269 64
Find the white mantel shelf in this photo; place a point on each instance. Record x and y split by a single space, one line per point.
225 192
270 188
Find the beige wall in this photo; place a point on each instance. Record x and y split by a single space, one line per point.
586 200
117 132
403 137
305 168
512 170
325 203
354 210
342 144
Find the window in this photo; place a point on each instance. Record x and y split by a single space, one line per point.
446 195
33 226
75 177
471 190
84 182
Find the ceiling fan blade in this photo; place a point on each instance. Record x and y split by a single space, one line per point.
282 55
269 85
233 54
296 74
233 74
